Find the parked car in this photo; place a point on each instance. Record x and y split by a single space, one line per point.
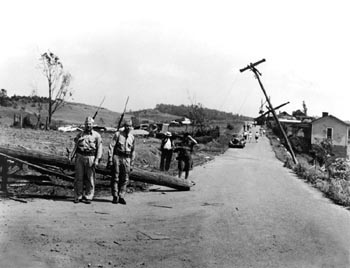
237 141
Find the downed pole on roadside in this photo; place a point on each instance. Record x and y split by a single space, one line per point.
41 162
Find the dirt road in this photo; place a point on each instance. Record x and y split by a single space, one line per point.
246 210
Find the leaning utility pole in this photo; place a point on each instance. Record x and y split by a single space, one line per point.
251 67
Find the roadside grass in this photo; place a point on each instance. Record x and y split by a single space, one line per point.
335 186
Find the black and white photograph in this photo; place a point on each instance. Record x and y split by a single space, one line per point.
174 134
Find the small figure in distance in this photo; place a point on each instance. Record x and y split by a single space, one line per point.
256 136
245 135
250 136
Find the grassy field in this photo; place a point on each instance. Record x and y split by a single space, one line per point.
70 113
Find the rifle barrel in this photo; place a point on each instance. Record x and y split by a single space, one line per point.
99 107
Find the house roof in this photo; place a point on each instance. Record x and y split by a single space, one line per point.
298 113
284 114
292 121
330 116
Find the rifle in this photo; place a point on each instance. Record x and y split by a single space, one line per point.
99 107
122 116
72 155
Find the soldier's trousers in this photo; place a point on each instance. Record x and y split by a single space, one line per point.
84 183
120 175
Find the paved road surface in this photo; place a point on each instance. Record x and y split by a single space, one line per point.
246 210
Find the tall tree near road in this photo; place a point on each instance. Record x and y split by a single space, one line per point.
58 82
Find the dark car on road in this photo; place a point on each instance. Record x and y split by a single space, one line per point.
237 141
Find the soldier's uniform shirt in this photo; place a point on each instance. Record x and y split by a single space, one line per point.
89 150
121 154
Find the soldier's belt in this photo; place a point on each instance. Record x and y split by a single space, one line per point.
86 153
123 154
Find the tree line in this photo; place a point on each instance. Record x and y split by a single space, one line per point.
187 111
14 100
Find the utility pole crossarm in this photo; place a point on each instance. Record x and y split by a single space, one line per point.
252 66
269 110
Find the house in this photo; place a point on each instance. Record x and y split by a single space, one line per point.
183 121
299 115
334 129
285 115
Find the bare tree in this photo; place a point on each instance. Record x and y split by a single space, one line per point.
197 114
58 82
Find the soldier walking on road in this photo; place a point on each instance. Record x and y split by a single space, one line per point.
88 153
121 156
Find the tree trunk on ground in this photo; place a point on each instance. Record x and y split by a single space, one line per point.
39 158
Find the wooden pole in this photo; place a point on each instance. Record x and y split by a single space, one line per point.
257 75
36 159
4 174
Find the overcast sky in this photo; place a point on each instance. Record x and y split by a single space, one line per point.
183 52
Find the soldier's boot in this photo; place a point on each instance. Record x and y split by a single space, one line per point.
115 200
122 201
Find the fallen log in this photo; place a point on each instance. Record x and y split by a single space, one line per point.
38 167
38 159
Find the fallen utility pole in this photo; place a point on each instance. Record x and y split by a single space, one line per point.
37 159
252 68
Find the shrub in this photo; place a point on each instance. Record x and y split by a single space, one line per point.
289 163
339 191
339 169
30 121
301 168
322 185
230 127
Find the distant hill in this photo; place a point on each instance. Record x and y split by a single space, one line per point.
75 113
154 115
70 113
210 114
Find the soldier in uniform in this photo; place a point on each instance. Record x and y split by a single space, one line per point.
88 153
121 156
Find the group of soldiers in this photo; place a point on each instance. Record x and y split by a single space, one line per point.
121 157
